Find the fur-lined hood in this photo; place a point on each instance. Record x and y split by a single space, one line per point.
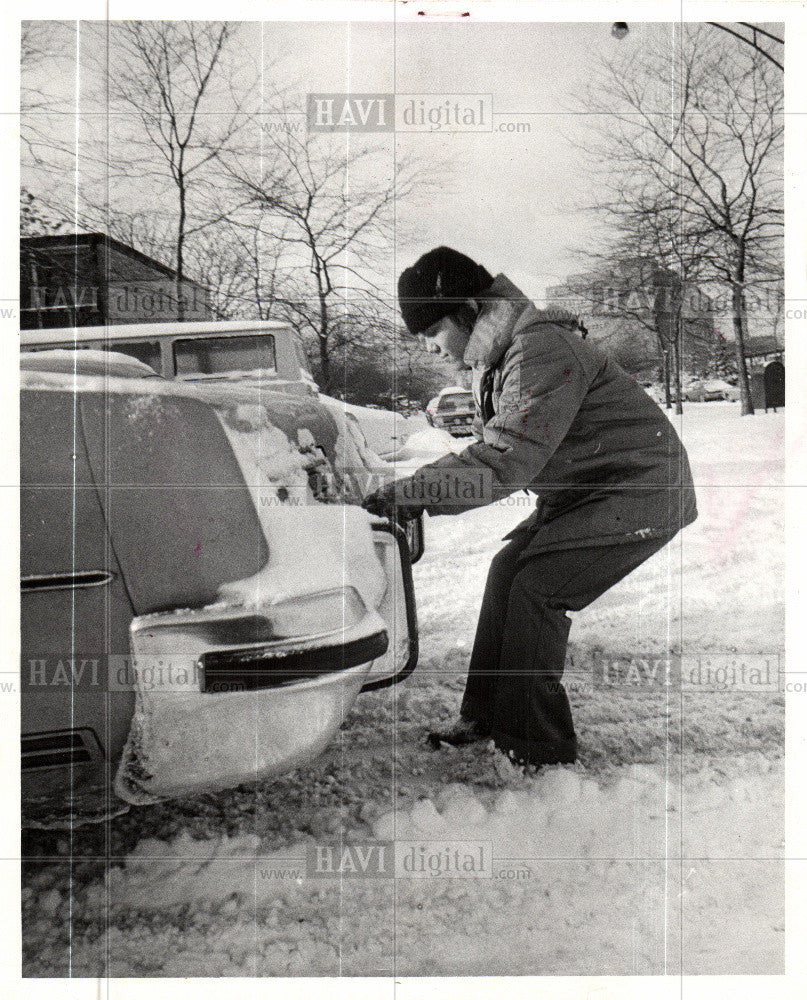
505 311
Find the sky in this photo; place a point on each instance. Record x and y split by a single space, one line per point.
515 201
506 199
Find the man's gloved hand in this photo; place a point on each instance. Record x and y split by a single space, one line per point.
382 503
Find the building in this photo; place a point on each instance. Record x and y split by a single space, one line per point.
761 350
630 308
89 279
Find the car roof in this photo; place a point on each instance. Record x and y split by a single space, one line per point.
143 331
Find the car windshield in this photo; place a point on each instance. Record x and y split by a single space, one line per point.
456 401
218 357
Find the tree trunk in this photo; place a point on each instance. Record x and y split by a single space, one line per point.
181 253
665 371
738 320
322 337
676 352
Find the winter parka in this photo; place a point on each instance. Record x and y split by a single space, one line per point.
556 416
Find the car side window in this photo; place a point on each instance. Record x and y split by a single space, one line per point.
218 355
147 351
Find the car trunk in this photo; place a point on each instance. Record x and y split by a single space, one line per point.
131 503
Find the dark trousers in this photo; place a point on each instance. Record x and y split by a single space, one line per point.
514 678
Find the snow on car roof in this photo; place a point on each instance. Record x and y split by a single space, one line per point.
86 362
75 381
135 331
232 392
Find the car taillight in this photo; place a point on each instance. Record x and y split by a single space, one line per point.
188 633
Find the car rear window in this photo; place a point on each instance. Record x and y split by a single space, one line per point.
456 402
219 355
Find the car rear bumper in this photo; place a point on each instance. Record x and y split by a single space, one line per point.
235 692
259 669
250 712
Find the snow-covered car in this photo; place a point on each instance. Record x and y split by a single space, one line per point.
717 388
452 409
709 390
384 431
267 352
202 597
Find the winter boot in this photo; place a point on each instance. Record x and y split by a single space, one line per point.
508 766
461 734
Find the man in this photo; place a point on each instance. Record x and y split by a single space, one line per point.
556 416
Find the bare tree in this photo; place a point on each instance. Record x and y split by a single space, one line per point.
331 214
180 113
709 166
651 230
45 56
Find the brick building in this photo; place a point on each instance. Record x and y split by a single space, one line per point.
89 279
625 307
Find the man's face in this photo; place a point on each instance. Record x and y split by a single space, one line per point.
448 338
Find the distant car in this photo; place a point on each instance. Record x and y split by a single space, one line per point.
717 388
452 409
709 390
202 601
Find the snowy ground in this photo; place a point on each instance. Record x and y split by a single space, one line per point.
660 851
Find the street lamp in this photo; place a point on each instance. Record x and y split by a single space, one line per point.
620 29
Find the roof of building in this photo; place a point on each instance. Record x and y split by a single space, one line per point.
757 346
66 240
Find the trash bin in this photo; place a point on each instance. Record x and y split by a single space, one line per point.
768 386
774 376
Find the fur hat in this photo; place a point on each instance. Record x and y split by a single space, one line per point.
437 285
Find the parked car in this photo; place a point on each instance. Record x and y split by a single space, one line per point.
239 350
384 431
202 598
268 354
717 388
452 409
709 390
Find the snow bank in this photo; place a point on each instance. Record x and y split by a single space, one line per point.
588 877
563 813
